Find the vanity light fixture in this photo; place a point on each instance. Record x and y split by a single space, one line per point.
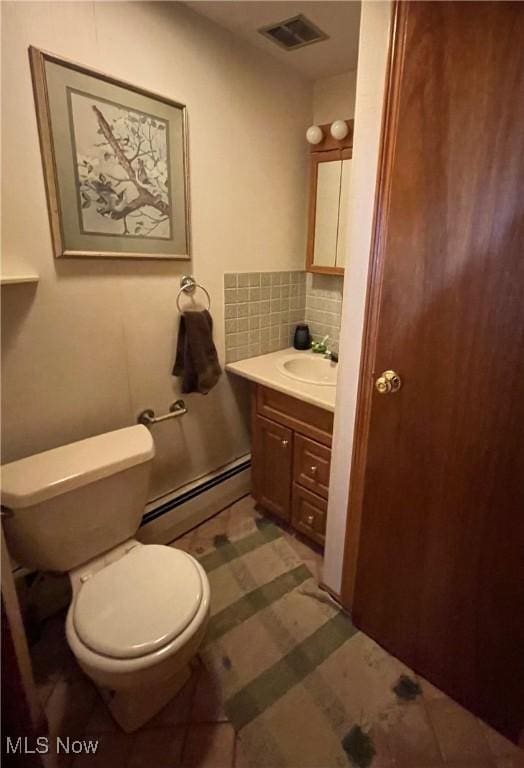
339 130
314 134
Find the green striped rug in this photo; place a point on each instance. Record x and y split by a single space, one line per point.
274 643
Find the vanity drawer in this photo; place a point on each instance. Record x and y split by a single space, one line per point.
312 462
309 513
302 417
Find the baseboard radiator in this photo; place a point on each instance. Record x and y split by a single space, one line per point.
171 516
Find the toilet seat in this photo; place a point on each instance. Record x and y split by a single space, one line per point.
138 604
136 687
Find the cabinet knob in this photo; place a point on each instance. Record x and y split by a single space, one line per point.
284 443
313 470
310 519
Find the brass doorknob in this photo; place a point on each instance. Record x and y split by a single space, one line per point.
388 382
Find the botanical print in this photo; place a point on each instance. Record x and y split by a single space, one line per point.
122 168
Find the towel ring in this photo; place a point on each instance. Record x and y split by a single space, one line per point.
188 285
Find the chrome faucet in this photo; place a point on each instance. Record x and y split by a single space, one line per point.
322 348
329 354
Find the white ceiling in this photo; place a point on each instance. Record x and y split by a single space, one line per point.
340 19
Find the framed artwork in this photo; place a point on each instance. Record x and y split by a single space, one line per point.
115 161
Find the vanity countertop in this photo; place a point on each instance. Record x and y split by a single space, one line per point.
264 369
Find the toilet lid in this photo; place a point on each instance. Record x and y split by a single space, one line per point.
139 603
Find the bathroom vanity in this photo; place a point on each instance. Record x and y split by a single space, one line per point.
291 459
292 427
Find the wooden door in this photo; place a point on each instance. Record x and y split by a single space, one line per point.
272 465
437 490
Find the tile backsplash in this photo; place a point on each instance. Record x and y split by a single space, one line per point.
263 308
324 306
261 311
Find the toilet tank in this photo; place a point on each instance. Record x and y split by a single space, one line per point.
68 505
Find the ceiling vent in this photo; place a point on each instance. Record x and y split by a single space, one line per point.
293 33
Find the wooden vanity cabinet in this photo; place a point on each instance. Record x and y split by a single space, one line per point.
272 445
291 457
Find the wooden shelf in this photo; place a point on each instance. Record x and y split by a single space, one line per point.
17 279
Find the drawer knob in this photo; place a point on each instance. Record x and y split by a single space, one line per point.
284 443
310 519
313 470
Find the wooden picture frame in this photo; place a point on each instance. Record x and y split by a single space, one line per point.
115 162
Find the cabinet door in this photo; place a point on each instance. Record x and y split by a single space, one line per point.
328 209
343 212
272 466
326 212
309 514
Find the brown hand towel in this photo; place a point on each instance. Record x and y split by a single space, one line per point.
196 356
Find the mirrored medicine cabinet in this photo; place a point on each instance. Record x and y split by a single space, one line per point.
329 177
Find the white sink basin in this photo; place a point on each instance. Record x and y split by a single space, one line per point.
309 368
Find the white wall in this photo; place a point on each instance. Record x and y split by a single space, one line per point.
93 344
334 98
373 52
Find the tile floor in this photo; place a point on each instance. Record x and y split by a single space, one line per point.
193 729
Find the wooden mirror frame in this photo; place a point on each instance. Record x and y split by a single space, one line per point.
328 150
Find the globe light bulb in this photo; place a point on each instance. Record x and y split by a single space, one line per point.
314 134
339 130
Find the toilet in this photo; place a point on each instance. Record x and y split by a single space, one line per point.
139 611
